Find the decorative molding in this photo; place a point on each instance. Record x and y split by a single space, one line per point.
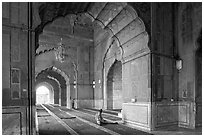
45 51
136 55
186 122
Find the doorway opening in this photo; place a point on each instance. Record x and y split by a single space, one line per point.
44 95
114 87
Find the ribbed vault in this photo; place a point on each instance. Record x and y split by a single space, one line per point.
114 17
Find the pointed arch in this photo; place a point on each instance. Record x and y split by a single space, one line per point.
66 80
114 86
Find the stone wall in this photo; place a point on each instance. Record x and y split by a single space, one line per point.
101 39
16 71
164 70
14 57
189 28
137 80
176 37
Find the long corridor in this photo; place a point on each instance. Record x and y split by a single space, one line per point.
57 120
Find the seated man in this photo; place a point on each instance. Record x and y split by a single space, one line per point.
100 120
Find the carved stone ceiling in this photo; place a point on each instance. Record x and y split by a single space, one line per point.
72 13
48 11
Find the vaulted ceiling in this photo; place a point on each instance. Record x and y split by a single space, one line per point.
61 21
48 11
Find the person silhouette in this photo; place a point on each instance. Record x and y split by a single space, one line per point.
99 119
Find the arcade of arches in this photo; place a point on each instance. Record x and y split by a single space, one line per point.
140 58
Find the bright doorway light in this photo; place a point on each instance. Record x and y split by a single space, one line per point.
42 90
42 95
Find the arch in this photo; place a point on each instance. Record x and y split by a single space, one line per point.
105 24
61 73
115 34
57 99
135 26
129 28
114 86
67 82
57 70
56 86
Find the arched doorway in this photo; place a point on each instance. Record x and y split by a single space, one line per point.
114 86
60 83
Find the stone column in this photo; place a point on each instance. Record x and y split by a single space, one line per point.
68 96
104 90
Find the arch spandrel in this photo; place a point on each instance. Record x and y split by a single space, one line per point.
122 32
36 16
96 8
133 29
110 11
48 57
121 20
109 64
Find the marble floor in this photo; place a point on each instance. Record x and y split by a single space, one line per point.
55 120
